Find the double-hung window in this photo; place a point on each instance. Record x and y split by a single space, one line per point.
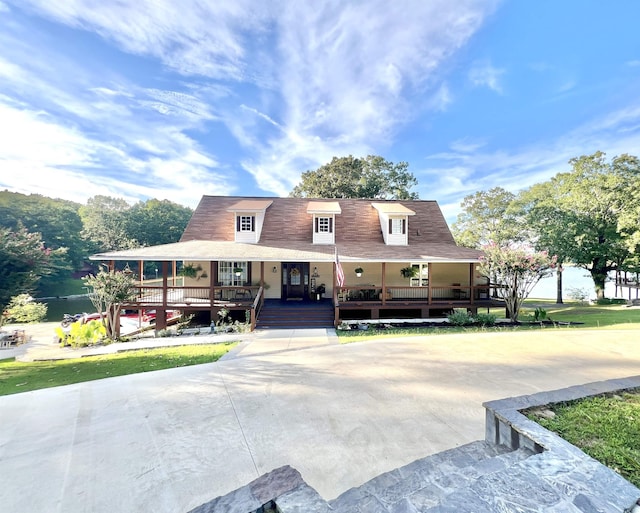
397 226
324 225
246 223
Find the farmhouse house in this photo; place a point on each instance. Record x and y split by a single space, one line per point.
340 259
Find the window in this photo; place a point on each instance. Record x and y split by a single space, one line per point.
397 226
246 223
227 273
421 278
324 225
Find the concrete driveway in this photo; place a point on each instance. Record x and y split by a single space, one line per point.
170 440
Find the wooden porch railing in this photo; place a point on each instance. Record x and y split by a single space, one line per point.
438 294
194 296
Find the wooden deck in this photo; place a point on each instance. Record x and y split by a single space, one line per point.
363 302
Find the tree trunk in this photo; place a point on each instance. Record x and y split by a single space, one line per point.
559 285
599 276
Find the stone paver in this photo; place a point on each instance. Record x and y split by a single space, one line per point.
340 415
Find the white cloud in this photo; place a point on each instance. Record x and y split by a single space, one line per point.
440 99
470 168
467 145
485 74
328 80
346 73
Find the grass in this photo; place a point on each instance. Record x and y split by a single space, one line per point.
590 317
604 427
16 377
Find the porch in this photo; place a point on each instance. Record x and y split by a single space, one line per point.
349 302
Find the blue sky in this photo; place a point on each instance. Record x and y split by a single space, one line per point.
165 99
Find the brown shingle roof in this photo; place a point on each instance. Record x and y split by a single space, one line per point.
288 226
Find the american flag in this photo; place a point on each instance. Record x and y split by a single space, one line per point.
339 271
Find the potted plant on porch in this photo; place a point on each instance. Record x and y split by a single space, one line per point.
409 272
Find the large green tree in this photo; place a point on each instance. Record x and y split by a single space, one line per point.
577 214
350 177
487 217
105 222
23 260
154 222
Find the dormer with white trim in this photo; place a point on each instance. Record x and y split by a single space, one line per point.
324 220
248 219
394 222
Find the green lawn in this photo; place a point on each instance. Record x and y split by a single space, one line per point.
590 317
604 427
16 377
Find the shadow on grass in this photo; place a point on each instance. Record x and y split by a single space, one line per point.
19 377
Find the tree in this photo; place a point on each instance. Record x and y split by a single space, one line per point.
349 177
516 269
487 217
59 225
109 289
23 260
23 308
577 214
156 222
104 222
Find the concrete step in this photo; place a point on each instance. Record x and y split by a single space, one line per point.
430 482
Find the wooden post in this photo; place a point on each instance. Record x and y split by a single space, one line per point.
384 283
161 313
429 282
472 288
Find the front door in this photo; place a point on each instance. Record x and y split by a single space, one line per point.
295 280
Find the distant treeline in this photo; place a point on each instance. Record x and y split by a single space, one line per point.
72 231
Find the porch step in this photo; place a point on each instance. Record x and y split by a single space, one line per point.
295 314
438 483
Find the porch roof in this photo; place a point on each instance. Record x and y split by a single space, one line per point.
294 251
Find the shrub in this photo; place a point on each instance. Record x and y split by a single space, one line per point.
82 334
607 301
539 314
23 308
460 317
578 294
487 319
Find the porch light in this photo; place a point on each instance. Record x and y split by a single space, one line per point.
315 273
275 269
359 271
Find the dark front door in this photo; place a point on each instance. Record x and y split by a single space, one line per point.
295 280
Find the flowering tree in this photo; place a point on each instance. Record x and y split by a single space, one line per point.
516 269
108 290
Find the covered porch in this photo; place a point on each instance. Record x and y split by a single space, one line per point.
239 280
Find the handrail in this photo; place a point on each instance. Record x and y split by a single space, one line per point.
256 307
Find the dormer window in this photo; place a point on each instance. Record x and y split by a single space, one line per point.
324 220
249 218
394 222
